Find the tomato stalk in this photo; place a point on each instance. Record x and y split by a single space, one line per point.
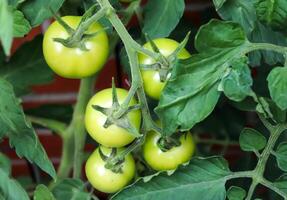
85 92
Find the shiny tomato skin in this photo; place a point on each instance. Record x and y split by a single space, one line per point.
171 159
74 62
152 84
113 136
105 180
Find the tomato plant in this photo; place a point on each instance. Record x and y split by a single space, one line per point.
161 64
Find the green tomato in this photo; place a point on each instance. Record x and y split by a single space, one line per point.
151 78
171 159
113 136
74 62
105 180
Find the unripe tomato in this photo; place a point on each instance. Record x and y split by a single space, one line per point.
171 159
151 78
105 180
113 136
75 62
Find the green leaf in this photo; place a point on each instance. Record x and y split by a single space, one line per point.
236 193
251 140
21 25
221 35
160 24
281 183
70 189
38 11
6 24
43 193
218 3
272 12
27 67
244 13
5 164
14 3
277 84
188 181
10 188
281 156
21 134
237 84
192 92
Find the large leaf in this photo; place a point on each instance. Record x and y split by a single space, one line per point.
10 188
191 93
19 131
5 163
36 11
244 12
202 179
6 24
70 189
20 24
27 67
43 193
281 156
277 84
162 16
251 140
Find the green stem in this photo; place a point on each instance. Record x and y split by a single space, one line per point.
271 186
251 189
67 154
77 36
132 47
258 176
216 142
268 46
54 125
78 127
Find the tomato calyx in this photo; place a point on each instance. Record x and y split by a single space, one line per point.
164 64
77 38
121 121
167 143
113 162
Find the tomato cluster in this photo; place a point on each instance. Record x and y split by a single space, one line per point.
109 131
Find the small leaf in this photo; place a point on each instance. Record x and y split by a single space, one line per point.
5 163
21 25
236 193
38 11
188 181
251 140
6 24
10 188
281 183
277 84
43 193
160 24
21 134
237 84
281 156
70 189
